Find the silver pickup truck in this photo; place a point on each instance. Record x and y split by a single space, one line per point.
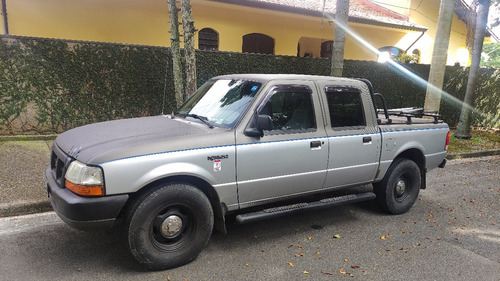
248 147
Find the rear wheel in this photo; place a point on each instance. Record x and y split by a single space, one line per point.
169 226
399 189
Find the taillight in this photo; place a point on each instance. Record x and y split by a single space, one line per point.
447 141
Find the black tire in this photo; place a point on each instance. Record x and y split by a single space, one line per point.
169 226
399 189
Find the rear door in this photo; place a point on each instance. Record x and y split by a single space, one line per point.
353 135
292 157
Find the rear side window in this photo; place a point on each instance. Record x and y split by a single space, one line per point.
346 107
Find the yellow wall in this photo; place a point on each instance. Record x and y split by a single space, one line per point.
146 22
427 15
233 21
121 21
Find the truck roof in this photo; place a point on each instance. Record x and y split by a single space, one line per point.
269 77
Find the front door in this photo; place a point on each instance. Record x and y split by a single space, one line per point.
292 157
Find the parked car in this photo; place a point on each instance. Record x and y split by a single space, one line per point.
249 146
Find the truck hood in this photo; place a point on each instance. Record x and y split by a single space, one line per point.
111 140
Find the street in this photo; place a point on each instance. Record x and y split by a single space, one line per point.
451 233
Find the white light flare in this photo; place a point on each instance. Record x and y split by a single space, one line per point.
403 70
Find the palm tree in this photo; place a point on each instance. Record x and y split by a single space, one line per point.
439 56
189 53
341 16
173 12
464 123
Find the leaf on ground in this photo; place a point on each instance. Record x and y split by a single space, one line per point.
383 237
355 266
342 271
291 264
336 236
327 272
305 272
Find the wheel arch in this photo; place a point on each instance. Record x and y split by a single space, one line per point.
416 155
218 207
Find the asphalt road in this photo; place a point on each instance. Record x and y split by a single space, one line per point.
452 233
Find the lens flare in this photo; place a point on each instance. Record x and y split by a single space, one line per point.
417 79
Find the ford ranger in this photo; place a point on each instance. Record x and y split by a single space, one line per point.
247 146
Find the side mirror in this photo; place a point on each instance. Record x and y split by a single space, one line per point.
258 125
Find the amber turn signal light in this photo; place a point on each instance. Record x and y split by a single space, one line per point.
85 190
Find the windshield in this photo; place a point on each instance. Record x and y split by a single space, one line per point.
220 102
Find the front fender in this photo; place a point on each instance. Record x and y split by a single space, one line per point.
174 169
131 174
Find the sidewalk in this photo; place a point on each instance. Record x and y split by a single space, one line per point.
23 161
22 164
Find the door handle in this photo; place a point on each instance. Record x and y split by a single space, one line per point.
367 139
315 144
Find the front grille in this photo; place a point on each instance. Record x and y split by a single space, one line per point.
58 164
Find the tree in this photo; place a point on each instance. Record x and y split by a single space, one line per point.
182 92
491 55
341 17
464 123
439 56
189 53
173 12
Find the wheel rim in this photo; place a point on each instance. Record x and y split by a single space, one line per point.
172 227
402 188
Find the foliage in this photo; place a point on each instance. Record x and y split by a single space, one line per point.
491 55
69 84
407 58
481 140
48 86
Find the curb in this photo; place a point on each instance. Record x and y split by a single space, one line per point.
24 208
473 154
27 138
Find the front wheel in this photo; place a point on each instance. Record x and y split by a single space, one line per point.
169 226
399 189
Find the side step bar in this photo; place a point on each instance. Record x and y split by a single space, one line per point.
302 207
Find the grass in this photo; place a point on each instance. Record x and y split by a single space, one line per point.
481 140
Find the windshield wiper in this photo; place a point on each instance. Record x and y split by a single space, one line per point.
203 119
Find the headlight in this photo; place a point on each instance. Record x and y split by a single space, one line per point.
84 180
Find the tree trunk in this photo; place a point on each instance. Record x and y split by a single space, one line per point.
439 56
173 12
341 17
189 50
471 28
464 123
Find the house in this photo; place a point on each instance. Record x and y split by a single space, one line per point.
281 27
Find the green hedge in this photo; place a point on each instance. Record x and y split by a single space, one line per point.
48 86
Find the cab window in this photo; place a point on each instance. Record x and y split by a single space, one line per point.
346 107
291 109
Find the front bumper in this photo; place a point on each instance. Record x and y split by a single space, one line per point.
83 213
